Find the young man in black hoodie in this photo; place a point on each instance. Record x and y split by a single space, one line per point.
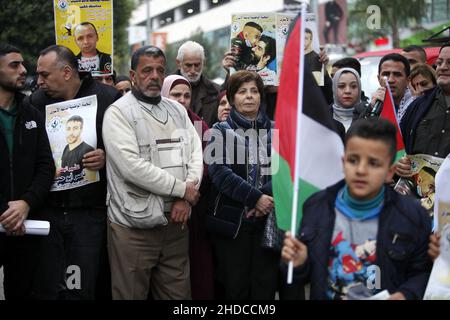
78 216
26 170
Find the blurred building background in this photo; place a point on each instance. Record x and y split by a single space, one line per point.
208 21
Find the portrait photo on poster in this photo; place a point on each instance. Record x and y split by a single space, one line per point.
71 131
312 49
257 43
88 31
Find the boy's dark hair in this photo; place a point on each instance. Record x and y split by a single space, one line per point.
397 58
308 30
348 62
150 51
412 48
254 25
375 129
7 48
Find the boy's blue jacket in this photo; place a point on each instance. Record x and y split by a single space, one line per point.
401 250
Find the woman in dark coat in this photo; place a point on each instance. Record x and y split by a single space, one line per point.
239 167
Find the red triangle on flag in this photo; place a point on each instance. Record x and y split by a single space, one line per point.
388 113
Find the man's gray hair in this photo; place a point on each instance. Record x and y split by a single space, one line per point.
191 47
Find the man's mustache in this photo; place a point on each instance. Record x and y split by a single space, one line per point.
154 84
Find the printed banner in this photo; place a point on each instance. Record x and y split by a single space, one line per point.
86 27
71 129
438 287
442 198
257 42
439 283
421 184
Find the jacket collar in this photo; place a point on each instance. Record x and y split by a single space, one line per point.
333 190
237 119
415 114
19 98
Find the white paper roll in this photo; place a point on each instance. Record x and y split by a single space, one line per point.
34 227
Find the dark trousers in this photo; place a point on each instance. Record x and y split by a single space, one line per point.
71 255
293 291
19 257
245 269
334 25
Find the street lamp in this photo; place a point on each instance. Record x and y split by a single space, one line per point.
148 25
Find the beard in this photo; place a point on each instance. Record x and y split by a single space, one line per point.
191 79
255 60
150 93
12 86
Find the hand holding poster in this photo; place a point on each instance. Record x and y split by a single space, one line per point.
421 184
71 132
85 27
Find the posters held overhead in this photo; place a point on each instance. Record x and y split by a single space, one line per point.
257 42
86 27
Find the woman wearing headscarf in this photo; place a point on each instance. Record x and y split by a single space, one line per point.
178 88
347 105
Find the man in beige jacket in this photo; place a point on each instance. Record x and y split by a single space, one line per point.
154 166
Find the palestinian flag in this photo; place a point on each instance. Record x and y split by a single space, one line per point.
320 150
388 113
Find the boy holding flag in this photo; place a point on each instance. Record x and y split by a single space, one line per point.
359 237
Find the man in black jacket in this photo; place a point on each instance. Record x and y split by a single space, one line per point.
26 170
78 216
426 124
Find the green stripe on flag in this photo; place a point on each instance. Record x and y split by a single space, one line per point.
283 191
306 190
400 154
282 187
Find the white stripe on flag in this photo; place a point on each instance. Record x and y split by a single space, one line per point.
322 151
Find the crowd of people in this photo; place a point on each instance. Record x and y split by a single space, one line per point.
184 190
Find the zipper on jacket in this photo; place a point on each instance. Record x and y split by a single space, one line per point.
258 164
217 203
20 132
11 177
11 160
239 226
